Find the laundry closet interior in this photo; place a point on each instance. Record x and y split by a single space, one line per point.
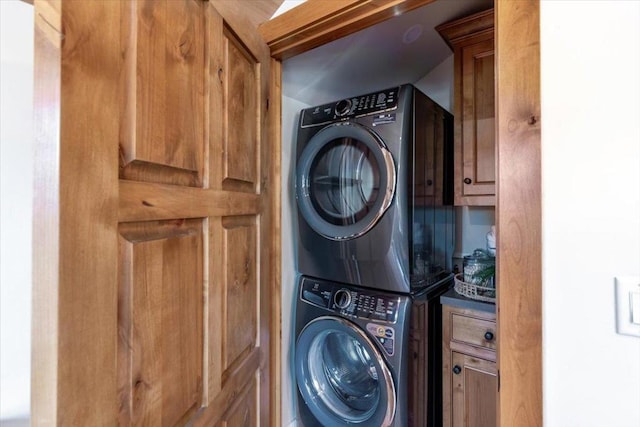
402 50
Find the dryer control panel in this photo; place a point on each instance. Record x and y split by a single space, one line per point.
349 302
376 102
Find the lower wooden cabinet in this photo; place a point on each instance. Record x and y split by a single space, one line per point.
473 391
469 371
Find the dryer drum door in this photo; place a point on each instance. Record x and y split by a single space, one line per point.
345 181
342 376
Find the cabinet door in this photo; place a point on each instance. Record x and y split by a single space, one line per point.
475 165
474 391
418 375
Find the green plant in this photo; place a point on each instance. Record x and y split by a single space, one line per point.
485 274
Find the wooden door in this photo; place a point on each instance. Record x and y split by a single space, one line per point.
474 391
153 255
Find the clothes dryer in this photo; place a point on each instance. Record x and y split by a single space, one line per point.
351 356
374 190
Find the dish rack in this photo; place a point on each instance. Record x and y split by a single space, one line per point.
477 292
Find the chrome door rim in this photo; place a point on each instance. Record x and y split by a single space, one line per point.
302 370
387 172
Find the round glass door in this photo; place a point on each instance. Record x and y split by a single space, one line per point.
345 181
341 375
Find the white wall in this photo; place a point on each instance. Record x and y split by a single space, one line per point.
290 116
16 89
438 84
591 209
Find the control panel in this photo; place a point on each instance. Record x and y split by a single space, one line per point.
350 302
376 102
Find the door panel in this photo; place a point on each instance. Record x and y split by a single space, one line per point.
241 288
240 122
163 131
160 321
162 262
474 392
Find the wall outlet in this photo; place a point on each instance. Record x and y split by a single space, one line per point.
628 305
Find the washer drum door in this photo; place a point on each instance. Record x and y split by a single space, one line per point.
345 181
342 376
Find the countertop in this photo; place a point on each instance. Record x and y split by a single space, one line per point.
451 297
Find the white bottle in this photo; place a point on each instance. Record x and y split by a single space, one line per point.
491 241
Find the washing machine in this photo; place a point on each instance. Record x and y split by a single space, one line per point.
351 355
374 190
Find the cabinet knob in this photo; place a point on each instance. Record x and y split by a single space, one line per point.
467 180
457 369
488 335
429 182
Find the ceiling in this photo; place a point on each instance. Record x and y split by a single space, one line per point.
377 57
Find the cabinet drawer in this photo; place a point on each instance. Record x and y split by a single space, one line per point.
474 331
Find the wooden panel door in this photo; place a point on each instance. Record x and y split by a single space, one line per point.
474 391
154 215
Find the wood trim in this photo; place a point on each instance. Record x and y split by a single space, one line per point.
317 22
75 213
275 295
456 32
518 213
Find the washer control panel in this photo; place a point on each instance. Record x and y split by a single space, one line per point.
385 100
361 304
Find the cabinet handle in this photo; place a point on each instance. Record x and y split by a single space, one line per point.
467 180
457 369
488 335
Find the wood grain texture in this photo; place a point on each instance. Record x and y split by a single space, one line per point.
463 344
317 22
131 273
471 39
418 363
242 293
270 255
239 377
474 392
164 84
160 321
471 330
75 213
241 139
142 201
519 263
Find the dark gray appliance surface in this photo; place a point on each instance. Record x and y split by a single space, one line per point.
320 299
384 257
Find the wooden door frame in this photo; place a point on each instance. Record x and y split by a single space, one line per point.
518 141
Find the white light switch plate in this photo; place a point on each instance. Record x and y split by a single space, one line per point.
628 305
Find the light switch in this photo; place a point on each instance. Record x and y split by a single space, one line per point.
635 307
628 305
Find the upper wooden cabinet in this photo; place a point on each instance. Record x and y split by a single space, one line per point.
471 39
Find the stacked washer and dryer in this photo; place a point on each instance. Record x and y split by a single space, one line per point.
375 233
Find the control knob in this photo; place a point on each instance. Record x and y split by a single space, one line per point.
343 107
342 298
